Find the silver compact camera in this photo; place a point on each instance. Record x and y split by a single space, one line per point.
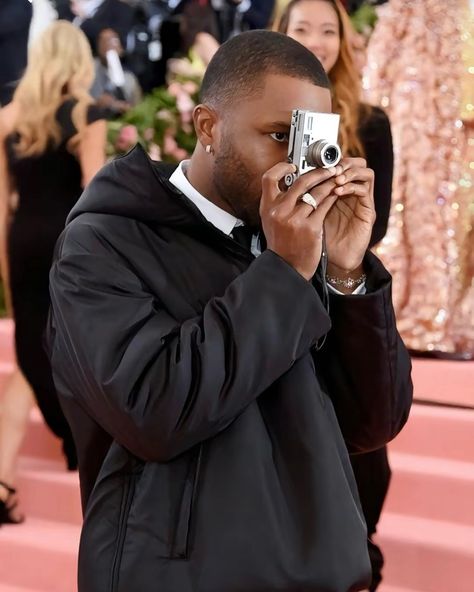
312 142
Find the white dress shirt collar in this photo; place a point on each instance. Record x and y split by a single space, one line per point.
221 219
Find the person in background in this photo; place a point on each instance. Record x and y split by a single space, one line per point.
324 28
44 14
93 16
235 16
199 33
115 88
15 19
17 402
421 57
64 9
17 398
52 142
191 22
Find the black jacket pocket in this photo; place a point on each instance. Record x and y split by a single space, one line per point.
163 502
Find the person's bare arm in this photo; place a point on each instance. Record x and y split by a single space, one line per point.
205 46
5 199
92 149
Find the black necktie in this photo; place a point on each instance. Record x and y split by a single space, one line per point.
243 235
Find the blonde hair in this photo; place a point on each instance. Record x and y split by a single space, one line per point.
345 81
60 67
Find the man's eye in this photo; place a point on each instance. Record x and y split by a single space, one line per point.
279 136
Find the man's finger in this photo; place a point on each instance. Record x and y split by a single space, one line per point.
355 174
303 208
272 178
318 216
359 189
308 181
353 162
290 204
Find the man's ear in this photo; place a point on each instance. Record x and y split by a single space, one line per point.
205 119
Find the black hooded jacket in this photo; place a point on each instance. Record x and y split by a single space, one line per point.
212 437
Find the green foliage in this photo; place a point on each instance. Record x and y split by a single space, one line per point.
161 123
364 18
185 140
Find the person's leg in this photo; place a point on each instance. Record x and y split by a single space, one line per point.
16 405
30 323
30 251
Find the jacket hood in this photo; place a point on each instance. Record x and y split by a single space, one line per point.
134 186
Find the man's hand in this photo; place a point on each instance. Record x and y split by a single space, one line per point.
348 224
293 229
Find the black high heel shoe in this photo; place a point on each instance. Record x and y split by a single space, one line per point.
7 507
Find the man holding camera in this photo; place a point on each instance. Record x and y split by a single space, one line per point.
213 384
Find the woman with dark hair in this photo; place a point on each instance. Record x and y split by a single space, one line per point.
324 28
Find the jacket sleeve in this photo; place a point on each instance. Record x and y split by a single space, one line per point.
365 366
157 386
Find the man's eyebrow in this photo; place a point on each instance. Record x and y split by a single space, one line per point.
282 124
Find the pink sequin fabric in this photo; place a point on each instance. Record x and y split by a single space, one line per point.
420 69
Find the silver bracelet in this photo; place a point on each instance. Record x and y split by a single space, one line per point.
348 283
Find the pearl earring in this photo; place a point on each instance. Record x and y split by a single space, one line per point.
209 149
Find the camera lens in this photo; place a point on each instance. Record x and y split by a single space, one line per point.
323 154
330 155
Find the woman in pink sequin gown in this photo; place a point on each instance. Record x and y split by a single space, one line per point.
420 70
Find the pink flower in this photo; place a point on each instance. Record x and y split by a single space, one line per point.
190 87
171 147
187 127
175 89
154 152
148 134
127 138
180 154
164 115
185 107
169 143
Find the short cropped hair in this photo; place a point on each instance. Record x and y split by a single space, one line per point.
241 64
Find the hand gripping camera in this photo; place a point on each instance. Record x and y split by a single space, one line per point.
312 142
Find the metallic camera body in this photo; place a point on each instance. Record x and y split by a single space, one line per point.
312 142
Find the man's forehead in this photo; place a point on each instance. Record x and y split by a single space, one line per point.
280 94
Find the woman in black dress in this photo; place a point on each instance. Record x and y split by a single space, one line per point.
52 143
324 28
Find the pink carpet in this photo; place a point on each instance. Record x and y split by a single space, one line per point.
427 530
